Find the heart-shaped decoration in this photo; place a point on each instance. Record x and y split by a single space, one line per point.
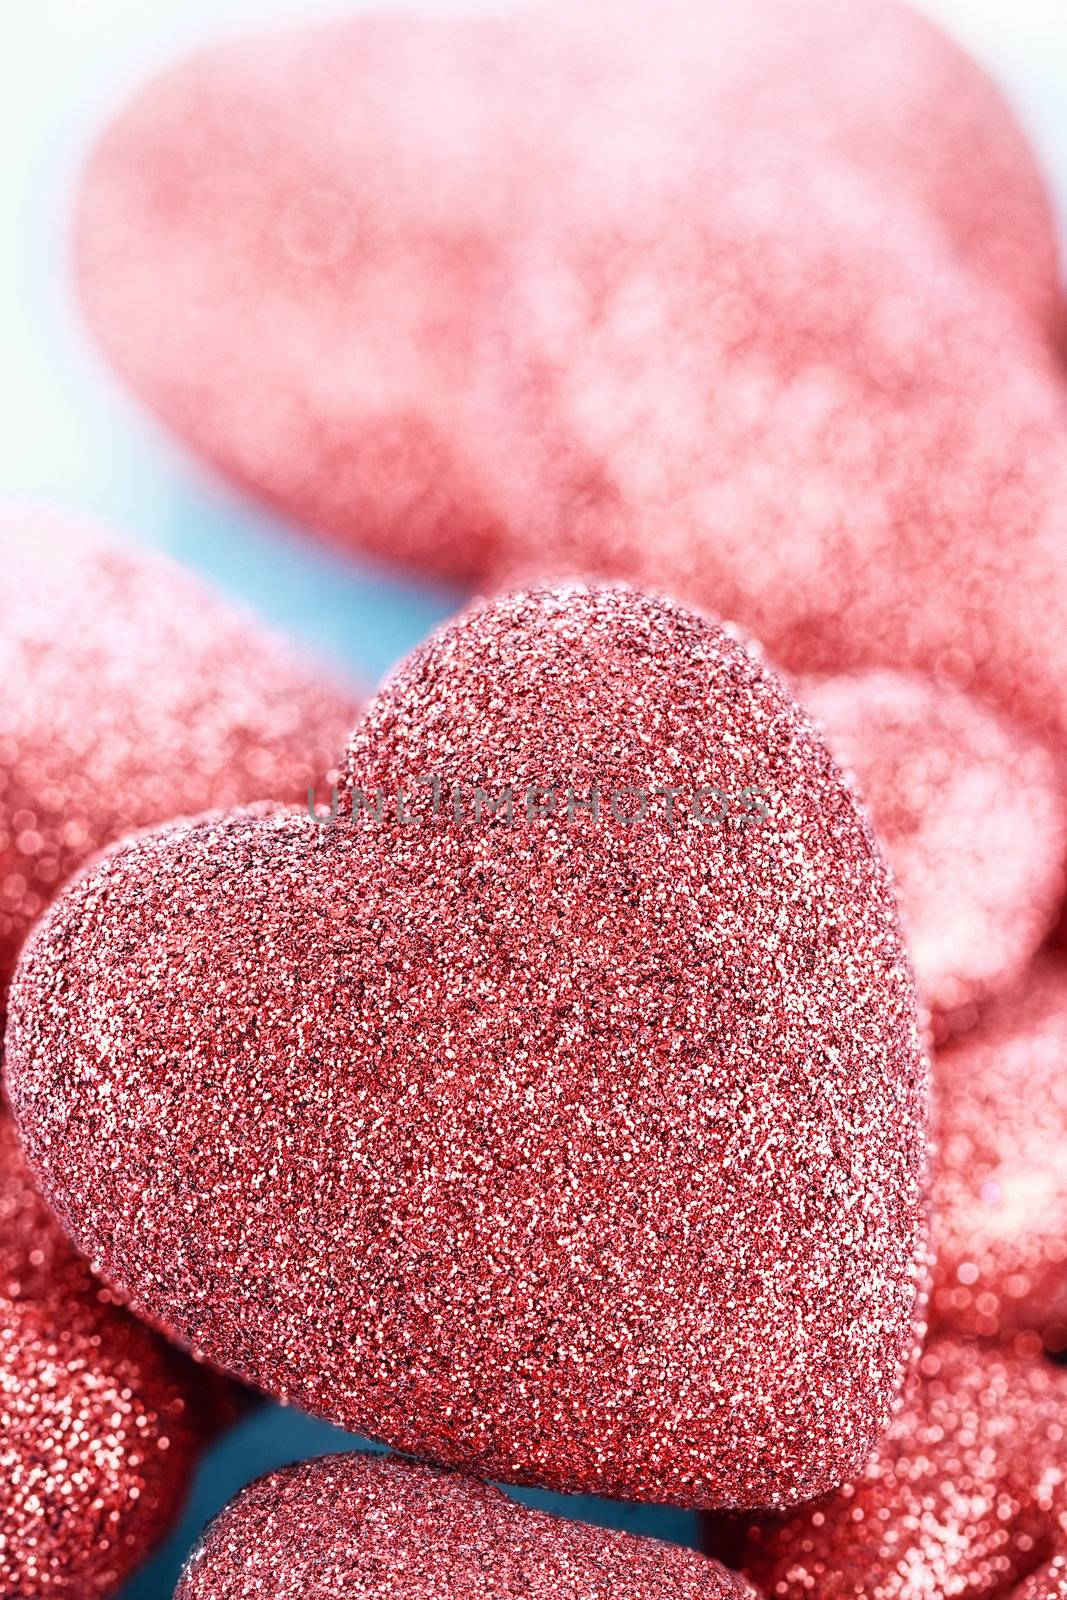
102 1421
578 1140
293 247
352 1528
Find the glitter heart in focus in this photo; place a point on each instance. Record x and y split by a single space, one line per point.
1000 1188
577 1149
353 1528
130 694
965 1496
100 1421
294 247
972 816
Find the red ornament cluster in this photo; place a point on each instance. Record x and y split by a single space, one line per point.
130 693
517 1113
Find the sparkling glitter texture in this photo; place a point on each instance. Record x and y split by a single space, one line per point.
100 1421
1001 1178
966 1497
973 821
356 1528
130 694
293 247
581 1152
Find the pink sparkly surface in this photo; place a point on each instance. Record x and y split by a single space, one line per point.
355 1528
298 295
973 819
580 1151
869 81
965 1500
295 248
1000 1189
1048 1584
100 1421
130 694
888 484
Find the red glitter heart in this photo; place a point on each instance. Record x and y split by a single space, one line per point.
965 1497
295 248
131 694
580 1150
100 1422
355 1528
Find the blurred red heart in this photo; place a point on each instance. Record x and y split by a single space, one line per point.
293 247
972 816
964 1496
1000 1188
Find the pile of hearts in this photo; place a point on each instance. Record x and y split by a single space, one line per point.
561 1144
